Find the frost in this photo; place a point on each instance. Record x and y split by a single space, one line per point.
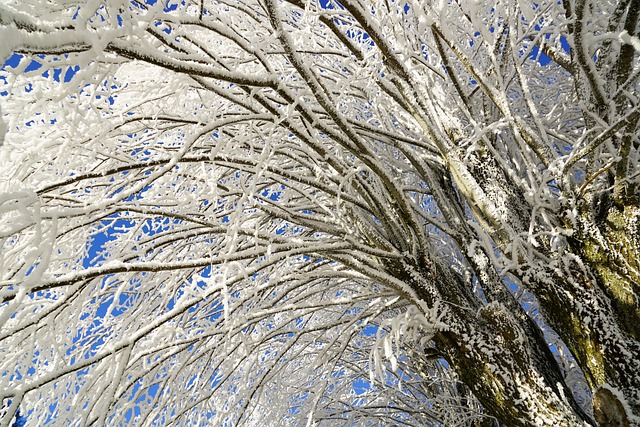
634 41
308 213
3 127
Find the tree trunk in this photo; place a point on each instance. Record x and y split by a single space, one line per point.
508 372
586 293
501 356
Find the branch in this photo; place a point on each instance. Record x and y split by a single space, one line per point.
630 118
583 57
189 67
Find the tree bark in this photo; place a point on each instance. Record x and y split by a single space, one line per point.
504 360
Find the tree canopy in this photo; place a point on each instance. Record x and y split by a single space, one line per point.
300 212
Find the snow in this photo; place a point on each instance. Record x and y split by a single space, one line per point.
313 196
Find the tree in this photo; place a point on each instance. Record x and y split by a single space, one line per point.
244 212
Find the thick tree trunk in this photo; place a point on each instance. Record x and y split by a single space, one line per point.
589 294
606 341
499 354
588 324
509 372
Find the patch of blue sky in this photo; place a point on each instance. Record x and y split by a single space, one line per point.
142 396
14 61
369 330
360 386
539 56
20 420
272 195
108 231
171 6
